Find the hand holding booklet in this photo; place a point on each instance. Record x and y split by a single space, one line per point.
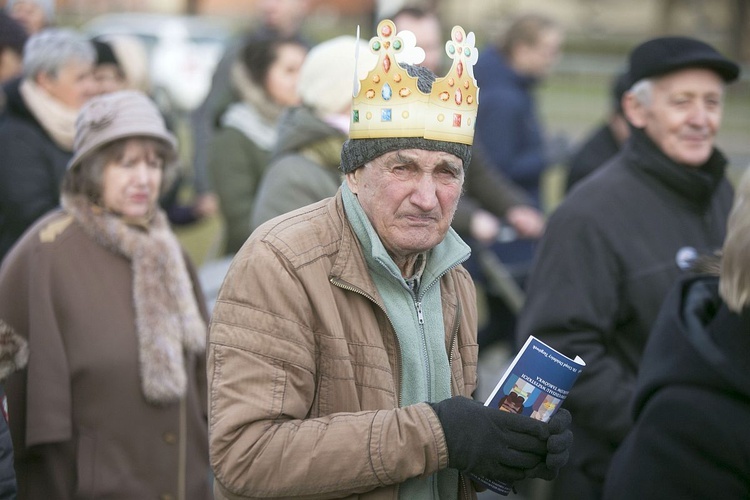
535 384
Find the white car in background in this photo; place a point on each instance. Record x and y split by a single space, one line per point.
183 52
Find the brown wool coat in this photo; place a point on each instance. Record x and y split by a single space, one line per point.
80 424
303 369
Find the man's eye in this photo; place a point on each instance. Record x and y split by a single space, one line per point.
447 174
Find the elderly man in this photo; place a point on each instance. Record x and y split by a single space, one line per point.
343 347
616 245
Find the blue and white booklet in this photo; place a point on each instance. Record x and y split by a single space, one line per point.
535 384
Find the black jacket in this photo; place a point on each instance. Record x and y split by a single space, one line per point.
692 403
611 252
595 151
31 169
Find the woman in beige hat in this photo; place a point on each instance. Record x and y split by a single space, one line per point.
112 403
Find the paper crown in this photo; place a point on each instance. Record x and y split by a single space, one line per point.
388 102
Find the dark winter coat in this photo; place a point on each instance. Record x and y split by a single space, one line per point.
31 169
596 150
692 403
610 253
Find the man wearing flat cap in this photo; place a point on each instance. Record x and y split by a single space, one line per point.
343 348
615 246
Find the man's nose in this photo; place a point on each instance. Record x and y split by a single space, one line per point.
425 192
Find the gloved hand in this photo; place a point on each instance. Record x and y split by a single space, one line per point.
558 446
491 443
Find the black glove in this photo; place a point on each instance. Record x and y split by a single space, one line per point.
558 446
491 443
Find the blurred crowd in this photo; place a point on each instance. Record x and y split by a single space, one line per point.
104 319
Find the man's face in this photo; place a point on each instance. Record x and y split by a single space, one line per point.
684 114
409 197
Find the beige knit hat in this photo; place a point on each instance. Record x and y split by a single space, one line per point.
109 117
325 78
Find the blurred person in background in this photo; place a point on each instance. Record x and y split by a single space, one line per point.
605 141
508 70
510 133
36 135
305 164
12 39
33 15
618 242
265 77
112 403
275 18
121 63
692 396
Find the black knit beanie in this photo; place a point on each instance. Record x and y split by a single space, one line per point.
357 152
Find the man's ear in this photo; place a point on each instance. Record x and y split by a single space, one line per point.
44 80
634 110
352 181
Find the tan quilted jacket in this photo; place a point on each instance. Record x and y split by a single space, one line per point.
303 369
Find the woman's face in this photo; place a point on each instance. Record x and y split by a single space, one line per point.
281 81
131 183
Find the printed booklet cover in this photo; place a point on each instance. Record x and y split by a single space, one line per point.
535 384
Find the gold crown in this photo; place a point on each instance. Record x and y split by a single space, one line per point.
388 102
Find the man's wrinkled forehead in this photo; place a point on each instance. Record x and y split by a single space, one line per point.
421 157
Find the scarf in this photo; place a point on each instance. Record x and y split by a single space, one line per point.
167 318
57 119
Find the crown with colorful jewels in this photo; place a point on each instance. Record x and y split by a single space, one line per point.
388 102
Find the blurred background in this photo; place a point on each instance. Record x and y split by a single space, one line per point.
186 38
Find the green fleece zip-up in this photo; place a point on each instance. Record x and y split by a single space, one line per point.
417 318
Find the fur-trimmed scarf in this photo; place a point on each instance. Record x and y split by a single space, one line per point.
168 320
14 351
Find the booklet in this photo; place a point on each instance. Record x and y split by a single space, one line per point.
535 384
